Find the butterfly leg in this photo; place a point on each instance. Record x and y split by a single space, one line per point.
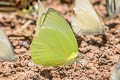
75 63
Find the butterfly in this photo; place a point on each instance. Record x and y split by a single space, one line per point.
86 20
116 72
6 50
55 43
113 7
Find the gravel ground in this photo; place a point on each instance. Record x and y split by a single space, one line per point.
101 52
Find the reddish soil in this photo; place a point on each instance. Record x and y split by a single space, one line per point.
101 52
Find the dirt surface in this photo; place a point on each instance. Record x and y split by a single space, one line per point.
101 52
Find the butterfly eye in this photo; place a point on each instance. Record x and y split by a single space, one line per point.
79 56
106 28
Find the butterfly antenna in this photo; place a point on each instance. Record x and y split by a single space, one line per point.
79 56
80 59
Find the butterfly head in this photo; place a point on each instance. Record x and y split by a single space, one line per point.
79 56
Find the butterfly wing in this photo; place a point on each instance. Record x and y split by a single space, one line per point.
116 72
6 50
41 10
86 20
55 43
